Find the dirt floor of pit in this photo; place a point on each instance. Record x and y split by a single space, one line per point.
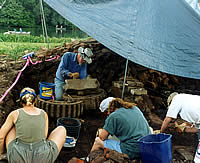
89 125
181 142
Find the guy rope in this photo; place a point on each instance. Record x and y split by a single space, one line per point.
28 59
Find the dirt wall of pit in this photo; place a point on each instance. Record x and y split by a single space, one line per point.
108 67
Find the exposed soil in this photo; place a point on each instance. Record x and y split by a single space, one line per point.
107 67
92 121
86 138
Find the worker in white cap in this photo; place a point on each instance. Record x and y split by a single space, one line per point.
126 122
72 65
188 107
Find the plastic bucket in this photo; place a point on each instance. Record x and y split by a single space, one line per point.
46 90
72 126
156 148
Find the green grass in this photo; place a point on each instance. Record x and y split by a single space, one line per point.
14 46
31 39
16 50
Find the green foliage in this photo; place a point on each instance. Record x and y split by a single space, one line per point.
31 39
15 45
16 50
26 13
14 14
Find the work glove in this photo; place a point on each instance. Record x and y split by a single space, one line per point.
180 127
156 132
74 75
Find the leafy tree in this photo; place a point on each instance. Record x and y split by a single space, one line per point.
14 14
26 13
28 5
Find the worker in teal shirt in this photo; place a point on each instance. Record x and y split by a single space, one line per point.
126 122
72 65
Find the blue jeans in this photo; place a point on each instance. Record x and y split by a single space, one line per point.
59 89
112 144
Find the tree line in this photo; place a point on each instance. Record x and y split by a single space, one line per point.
23 13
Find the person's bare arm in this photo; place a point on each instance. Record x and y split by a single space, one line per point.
165 123
103 134
7 126
46 125
98 143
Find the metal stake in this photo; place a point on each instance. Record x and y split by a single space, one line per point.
124 79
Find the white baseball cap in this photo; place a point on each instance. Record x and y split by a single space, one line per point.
105 103
86 54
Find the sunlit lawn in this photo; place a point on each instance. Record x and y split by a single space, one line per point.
16 50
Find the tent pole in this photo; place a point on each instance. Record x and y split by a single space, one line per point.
45 28
124 79
43 31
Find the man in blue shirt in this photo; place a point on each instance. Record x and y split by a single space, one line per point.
72 65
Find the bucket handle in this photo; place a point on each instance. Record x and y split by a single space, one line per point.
53 98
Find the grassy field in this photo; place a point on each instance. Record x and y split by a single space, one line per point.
15 50
14 46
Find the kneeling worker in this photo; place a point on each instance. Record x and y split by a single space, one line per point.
188 107
126 122
72 65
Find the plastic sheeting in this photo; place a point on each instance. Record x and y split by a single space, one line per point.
194 4
159 34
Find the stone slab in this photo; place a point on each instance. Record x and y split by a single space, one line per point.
184 152
81 84
119 84
138 91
